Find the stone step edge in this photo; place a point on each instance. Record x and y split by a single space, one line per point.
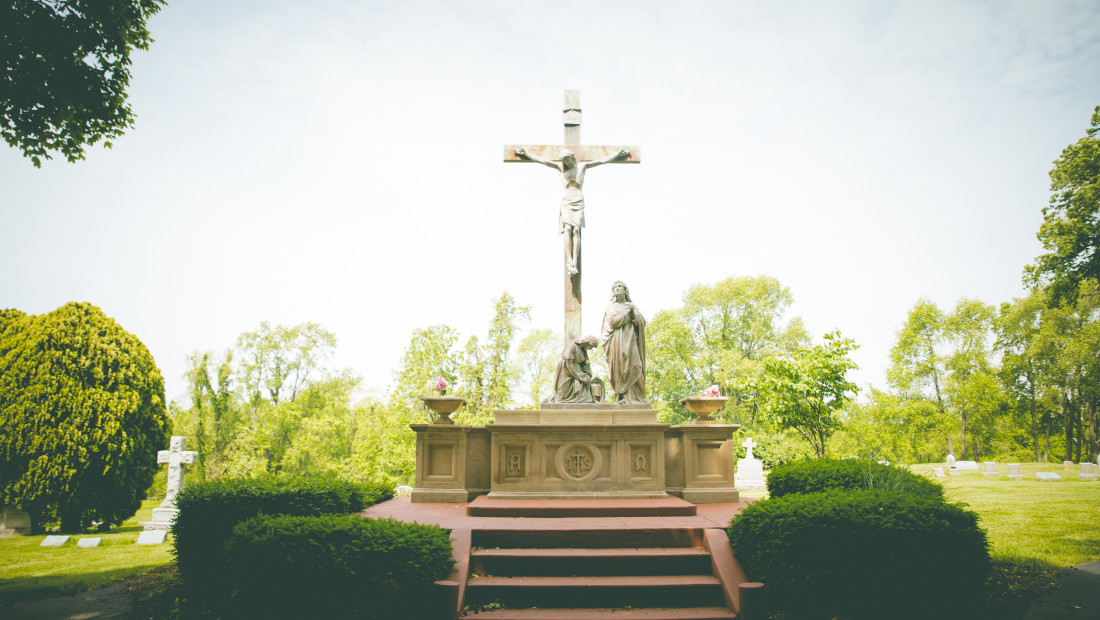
611 552
621 613
483 506
596 581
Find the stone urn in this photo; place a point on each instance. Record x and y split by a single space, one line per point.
703 406
443 406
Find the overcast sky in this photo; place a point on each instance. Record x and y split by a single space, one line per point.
340 162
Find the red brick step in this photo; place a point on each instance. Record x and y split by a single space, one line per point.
550 562
563 508
621 613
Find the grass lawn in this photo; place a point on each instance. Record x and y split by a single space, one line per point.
28 571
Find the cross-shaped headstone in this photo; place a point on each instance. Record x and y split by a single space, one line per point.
572 215
750 444
176 457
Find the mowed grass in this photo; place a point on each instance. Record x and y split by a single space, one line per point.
1039 524
29 571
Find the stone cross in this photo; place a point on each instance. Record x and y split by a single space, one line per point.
590 155
750 444
176 457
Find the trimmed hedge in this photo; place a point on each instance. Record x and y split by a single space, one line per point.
336 566
863 554
208 512
822 475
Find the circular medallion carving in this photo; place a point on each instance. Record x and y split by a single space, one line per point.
578 462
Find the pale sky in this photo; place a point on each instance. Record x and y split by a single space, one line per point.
340 162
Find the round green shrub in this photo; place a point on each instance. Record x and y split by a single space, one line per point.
83 415
863 554
336 566
208 512
813 476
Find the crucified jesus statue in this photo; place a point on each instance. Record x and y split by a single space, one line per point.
571 217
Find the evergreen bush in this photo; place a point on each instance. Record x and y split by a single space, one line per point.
863 554
83 415
208 512
336 566
813 476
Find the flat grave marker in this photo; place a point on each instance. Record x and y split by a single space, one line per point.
1047 476
152 537
54 541
88 543
966 466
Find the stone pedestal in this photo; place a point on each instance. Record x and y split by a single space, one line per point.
452 463
592 451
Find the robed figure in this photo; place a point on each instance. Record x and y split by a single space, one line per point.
573 380
623 339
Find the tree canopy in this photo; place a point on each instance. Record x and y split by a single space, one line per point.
1070 232
83 412
66 68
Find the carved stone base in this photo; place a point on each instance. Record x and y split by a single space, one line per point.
599 451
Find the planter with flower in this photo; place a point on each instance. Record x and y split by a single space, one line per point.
442 405
703 406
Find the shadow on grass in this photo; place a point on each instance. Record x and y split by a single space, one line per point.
1015 584
20 589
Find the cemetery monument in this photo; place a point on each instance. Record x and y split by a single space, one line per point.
176 457
575 446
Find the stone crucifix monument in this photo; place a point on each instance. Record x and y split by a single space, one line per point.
572 160
574 447
176 457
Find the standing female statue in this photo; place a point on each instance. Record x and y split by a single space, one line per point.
623 340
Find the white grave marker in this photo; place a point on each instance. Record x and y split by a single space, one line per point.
176 457
938 471
1089 471
1067 465
750 470
966 466
54 541
1014 472
152 537
989 469
1047 476
87 543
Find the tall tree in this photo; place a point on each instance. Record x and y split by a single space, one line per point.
66 68
1070 232
722 335
83 415
804 390
488 371
430 354
537 358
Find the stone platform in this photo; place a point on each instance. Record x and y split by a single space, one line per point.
596 451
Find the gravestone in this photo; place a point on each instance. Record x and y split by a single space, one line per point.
950 461
176 457
54 541
989 469
750 470
152 537
1047 476
1089 471
1067 465
403 491
14 522
938 471
88 543
1014 472
966 466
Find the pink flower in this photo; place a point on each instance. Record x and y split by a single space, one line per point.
711 391
440 385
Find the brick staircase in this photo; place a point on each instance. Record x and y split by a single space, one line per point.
566 574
